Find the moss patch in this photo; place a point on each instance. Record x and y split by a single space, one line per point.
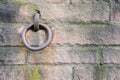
34 74
84 3
20 3
100 58
34 6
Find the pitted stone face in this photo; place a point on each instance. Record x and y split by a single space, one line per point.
96 12
3 31
85 46
15 13
12 73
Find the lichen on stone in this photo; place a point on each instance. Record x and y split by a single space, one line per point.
34 6
34 74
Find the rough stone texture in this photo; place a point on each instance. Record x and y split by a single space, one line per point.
96 73
71 34
111 55
113 73
85 45
76 13
16 13
86 34
89 1
56 13
51 72
81 1
107 73
40 1
63 55
12 55
12 73
10 34
83 73
115 1
115 13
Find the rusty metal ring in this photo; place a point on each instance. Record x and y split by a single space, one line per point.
49 38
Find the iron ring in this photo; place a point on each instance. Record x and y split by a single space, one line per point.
49 38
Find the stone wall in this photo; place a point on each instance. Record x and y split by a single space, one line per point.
85 45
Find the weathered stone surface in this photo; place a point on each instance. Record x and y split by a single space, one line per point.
107 73
115 13
89 1
83 73
63 55
12 73
81 1
56 13
16 13
113 73
61 60
12 55
86 34
111 55
96 73
75 13
115 1
50 73
40 1
71 34
10 34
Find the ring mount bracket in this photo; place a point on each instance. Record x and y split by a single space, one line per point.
49 37
36 20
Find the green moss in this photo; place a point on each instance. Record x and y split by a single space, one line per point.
100 58
34 74
83 23
100 62
20 3
84 3
34 6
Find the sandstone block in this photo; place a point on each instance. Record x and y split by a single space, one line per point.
56 13
50 73
12 73
12 55
111 55
56 55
